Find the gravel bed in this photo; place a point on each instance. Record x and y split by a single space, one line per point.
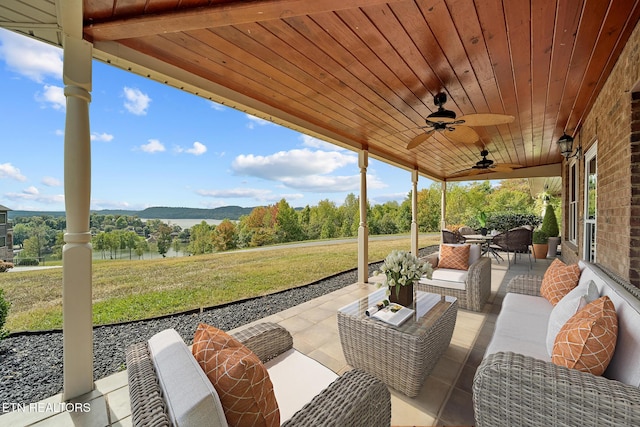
31 365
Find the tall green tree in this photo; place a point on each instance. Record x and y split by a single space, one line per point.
164 239
201 239
287 225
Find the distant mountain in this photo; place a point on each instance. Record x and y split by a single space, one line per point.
160 212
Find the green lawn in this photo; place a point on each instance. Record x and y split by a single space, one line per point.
133 290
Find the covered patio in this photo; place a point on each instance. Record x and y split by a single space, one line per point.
445 397
364 75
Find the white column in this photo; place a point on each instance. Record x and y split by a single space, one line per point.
414 212
363 229
76 253
443 205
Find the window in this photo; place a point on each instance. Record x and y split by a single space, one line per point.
3 218
3 241
573 202
590 204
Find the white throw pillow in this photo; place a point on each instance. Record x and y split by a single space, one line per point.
569 305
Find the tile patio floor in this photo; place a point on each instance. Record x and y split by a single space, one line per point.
445 397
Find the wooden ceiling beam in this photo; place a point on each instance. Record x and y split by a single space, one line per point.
219 15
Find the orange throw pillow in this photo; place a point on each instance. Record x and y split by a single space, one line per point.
239 377
588 339
455 257
559 280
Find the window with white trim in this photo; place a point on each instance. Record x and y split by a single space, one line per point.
573 202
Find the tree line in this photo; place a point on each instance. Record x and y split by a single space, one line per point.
281 223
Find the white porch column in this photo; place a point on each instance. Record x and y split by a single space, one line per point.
76 253
414 212
363 229
443 205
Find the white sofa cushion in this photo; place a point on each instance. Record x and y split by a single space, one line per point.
521 326
569 305
190 397
296 380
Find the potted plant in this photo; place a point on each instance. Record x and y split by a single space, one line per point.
540 245
402 269
482 220
550 228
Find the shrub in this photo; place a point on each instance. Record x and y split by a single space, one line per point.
508 220
28 262
4 311
549 222
540 237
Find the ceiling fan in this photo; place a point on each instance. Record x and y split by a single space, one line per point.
456 130
486 165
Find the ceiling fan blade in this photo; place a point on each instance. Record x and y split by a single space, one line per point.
463 134
502 168
419 139
465 172
486 119
510 165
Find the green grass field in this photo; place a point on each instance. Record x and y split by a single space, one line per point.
133 290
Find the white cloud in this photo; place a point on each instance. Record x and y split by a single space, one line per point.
53 95
7 170
29 57
153 146
33 194
136 102
105 137
98 204
240 193
51 181
305 170
310 141
197 149
291 164
59 132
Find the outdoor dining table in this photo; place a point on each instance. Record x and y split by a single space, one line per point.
485 242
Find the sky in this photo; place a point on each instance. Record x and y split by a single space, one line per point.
154 145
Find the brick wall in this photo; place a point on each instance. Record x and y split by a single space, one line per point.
609 124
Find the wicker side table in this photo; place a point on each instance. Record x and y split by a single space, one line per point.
400 356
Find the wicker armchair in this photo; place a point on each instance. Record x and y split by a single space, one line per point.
477 286
452 237
353 399
516 240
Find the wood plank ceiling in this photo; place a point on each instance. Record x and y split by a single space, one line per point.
363 74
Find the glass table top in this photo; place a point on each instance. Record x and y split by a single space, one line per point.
427 308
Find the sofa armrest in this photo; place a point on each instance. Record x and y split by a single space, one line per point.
527 284
147 404
355 399
478 283
267 340
511 389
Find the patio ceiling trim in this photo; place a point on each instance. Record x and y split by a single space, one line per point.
218 15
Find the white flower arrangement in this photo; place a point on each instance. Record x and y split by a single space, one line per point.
402 268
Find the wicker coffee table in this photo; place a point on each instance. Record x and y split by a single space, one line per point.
400 356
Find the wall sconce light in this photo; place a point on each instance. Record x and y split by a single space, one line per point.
566 145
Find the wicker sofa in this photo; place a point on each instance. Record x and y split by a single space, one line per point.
471 287
167 387
516 383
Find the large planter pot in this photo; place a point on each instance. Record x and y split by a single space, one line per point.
553 243
540 250
403 297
